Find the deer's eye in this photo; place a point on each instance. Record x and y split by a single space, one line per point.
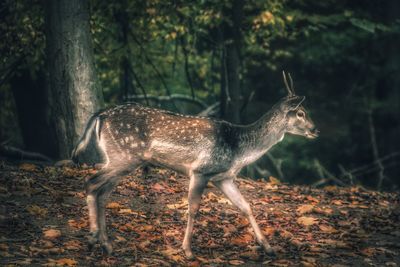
300 114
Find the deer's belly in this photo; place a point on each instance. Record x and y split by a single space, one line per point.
181 158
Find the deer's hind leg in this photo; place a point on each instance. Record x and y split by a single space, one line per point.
196 188
98 189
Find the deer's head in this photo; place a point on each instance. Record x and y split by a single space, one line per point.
297 119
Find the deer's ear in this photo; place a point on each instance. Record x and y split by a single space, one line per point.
293 103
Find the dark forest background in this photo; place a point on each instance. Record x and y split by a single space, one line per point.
60 61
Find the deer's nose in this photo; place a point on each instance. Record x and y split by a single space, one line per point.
314 131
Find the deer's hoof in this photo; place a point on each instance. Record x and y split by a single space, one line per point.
188 253
107 248
268 249
92 240
270 252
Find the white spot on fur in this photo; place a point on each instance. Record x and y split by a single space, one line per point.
133 145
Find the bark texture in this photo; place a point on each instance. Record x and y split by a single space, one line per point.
73 88
231 91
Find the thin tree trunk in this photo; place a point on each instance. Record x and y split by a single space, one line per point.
73 88
231 92
375 151
126 79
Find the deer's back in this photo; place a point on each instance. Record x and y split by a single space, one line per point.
132 132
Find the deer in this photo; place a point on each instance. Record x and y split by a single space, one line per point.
204 149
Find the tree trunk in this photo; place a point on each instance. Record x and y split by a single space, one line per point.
73 88
33 115
231 92
125 78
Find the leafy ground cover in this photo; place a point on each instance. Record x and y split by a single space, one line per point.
44 222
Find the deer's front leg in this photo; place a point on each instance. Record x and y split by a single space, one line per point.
196 189
228 187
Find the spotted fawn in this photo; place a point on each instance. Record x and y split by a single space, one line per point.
205 149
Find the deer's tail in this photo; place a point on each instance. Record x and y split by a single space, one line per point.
92 130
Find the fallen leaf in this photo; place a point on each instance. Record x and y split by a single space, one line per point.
146 227
46 251
242 240
303 209
172 254
312 199
142 245
23 262
274 180
236 262
324 210
113 205
43 243
327 228
276 198
52 234
337 202
307 221
82 223
211 197
311 260
126 211
251 254
307 264
269 231
120 239
36 210
3 247
158 187
181 205
228 229
296 242
73 245
369 252
334 243
223 200
62 262
285 234
29 167
331 188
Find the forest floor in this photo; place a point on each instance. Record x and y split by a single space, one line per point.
44 222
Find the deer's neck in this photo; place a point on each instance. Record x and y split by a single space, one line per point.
257 138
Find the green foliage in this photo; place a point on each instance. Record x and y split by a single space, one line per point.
343 56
